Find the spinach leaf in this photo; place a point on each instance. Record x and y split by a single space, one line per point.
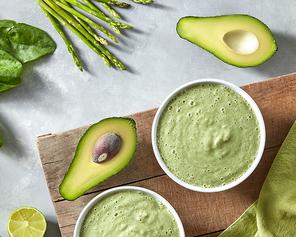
24 42
20 43
10 71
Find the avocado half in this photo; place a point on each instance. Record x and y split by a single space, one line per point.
83 173
239 40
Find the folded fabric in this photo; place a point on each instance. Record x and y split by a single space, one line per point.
274 213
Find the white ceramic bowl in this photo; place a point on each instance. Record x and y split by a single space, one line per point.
126 188
255 109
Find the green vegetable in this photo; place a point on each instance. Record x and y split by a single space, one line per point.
94 11
73 28
10 71
20 43
67 42
111 10
87 27
114 2
1 143
143 1
72 15
84 18
24 42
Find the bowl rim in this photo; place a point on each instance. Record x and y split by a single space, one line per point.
110 191
256 110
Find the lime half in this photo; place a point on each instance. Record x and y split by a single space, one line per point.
26 222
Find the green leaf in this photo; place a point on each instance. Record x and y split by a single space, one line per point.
10 71
24 42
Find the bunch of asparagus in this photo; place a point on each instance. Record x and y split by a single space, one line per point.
64 12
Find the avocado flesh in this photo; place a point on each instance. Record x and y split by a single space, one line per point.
225 35
83 173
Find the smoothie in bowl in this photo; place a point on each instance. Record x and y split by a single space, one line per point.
128 211
208 135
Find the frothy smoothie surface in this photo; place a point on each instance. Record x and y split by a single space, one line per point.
129 213
208 135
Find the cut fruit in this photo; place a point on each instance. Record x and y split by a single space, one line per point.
26 222
239 40
85 171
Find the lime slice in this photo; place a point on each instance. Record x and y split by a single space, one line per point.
26 222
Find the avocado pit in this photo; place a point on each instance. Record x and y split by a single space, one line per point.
106 147
241 41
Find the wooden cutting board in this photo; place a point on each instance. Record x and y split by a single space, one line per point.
205 214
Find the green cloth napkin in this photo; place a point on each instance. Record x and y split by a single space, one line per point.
274 213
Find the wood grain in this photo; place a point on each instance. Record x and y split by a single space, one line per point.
203 214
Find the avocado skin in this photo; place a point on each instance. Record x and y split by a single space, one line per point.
275 49
68 188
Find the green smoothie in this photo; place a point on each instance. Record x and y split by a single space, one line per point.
129 213
208 135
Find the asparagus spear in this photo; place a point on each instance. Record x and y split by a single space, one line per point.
87 27
106 6
111 10
71 21
87 20
1 144
95 13
114 2
143 1
115 28
86 34
67 42
93 7
74 30
61 11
